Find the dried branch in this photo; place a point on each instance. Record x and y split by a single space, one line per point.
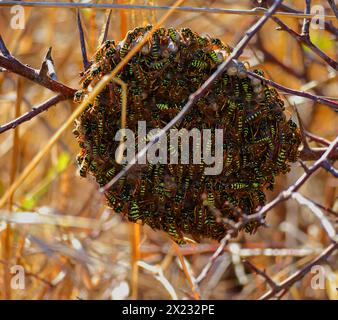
305 40
194 97
285 8
119 6
270 282
323 207
8 62
158 274
328 167
298 275
303 94
334 7
293 188
32 113
317 139
328 227
315 154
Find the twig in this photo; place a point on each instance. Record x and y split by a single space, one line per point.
323 207
189 277
194 97
316 153
285 8
329 229
32 113
307 42
303 94
10 63
158 273
317 139
334 7
294 187
271 283
328 167
298 275
117 6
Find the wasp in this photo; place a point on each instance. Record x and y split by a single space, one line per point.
214 57
240 118
253 116
111 198
237 88
199 64
110 173
188 34
134 212
174 232
155 50
281 157
231 107
199 219
162 106
201 40
78 96
173 34
84 166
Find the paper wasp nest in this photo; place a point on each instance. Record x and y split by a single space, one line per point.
179 198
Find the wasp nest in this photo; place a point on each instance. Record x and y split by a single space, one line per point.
181 199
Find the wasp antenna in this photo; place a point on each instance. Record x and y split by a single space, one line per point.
86 63
106 28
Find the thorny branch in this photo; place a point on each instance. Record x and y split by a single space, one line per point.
41 77
279 289
298 275
259 216
303 94
305 39
328 24
32 113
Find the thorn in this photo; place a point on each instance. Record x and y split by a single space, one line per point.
4 49
47 67
106 28
86 64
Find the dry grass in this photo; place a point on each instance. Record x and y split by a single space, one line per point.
56 224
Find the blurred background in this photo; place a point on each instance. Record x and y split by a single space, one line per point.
57 226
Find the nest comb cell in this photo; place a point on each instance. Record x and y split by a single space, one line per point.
180 199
